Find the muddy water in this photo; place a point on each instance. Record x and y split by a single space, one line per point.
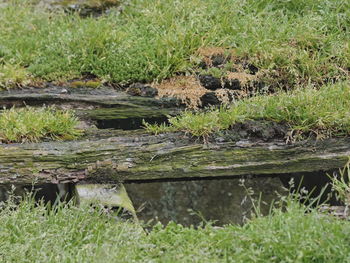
187 202
221 201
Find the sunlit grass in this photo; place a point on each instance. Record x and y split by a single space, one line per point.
34 124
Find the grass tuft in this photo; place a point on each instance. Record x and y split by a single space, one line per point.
13 76
33 124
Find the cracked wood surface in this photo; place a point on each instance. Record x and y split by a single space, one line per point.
143 157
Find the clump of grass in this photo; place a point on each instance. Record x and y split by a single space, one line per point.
13 76
33 124
324 112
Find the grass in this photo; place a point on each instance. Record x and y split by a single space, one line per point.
341 184
13 76
33 124
32 234
293 42
324 112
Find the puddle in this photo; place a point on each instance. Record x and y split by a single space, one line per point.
84 8
221 201
184 201
313 184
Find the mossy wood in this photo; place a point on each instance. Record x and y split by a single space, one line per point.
80 98
146 157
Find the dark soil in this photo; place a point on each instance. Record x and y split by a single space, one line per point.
210 82
253 130
210 99
143 90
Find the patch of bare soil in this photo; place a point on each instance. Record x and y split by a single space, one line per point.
186 88
254 130
84 8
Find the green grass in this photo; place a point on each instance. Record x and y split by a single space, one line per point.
324 112
33 124
70 234
13 76
294 42
341 184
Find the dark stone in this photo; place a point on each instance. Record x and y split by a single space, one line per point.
232 84
209 99
210 82
143 90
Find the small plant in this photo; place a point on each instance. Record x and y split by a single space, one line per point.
341 184
34 124
293 233
157 128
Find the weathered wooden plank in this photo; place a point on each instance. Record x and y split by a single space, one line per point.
146 157
81 98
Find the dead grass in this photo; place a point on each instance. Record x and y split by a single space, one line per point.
186 88
225 95
244 78
206 54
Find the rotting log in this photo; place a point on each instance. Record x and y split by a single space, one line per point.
168 156
81 98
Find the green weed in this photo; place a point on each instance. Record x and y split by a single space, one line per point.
341 184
